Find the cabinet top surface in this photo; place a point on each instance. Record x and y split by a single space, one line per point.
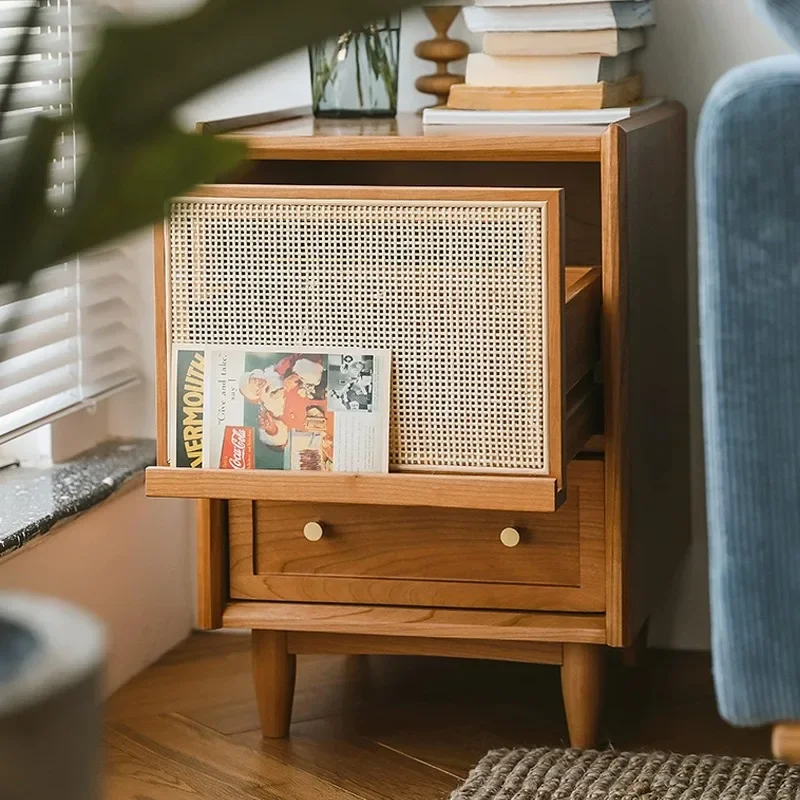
405 138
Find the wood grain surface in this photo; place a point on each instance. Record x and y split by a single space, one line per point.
365 644
786 742
421 622
212 562
427 556
162 344
556 361
491 493
636 188
582 312
583 690
646 358
584 412
380 727
414 544
274 670
406 139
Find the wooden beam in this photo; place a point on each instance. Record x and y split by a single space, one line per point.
212 562
489 492
419 622
366 644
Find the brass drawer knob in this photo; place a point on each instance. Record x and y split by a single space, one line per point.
510 537
313 531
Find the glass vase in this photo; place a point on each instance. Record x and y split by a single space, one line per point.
355 74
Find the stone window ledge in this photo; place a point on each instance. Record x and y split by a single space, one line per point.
33 501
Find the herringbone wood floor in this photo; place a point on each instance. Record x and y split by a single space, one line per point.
378 728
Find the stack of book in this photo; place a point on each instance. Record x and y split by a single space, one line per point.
551 61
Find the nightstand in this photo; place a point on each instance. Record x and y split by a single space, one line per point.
552 565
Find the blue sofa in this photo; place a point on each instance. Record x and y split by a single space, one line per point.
748 176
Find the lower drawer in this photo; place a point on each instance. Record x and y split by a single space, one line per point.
340 553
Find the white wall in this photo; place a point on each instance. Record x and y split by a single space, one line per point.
286 83
128 562
694 44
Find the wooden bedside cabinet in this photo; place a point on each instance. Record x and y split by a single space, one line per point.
548 562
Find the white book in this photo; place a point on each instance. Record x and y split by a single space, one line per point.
601 116
590 16
485 70
609 42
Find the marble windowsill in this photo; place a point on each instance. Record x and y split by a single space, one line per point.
33 501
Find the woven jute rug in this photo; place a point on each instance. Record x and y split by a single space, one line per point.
546 774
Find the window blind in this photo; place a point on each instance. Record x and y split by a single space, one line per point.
70 339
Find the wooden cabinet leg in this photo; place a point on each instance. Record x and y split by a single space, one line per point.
786 742
582 673
273 673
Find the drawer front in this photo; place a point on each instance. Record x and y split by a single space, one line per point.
416 543
493 342
344 553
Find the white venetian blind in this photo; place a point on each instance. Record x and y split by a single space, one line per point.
70 339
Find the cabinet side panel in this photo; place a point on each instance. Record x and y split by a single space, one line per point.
161 362
555 334
646 349
614 340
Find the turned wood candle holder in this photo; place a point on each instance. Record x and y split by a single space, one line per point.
442 51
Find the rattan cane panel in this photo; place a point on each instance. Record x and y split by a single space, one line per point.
456 290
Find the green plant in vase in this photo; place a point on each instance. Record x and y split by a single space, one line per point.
356 73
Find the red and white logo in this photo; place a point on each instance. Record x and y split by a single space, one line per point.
237 448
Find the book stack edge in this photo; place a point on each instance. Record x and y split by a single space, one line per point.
551 62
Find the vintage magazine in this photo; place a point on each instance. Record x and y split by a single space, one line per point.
262 408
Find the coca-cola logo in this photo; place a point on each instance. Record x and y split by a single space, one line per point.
239 444
237 448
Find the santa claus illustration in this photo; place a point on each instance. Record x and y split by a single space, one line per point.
284 394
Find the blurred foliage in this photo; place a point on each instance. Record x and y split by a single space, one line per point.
125 105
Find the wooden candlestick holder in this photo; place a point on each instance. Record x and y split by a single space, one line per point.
442 51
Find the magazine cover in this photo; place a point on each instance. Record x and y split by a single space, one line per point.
268 409
187 408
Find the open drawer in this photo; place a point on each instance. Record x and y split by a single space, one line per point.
493 342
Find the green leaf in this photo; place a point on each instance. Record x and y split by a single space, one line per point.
122 189
139 76
143 71
24 179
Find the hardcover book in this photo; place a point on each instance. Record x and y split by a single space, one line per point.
485 70
571 17
609 42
